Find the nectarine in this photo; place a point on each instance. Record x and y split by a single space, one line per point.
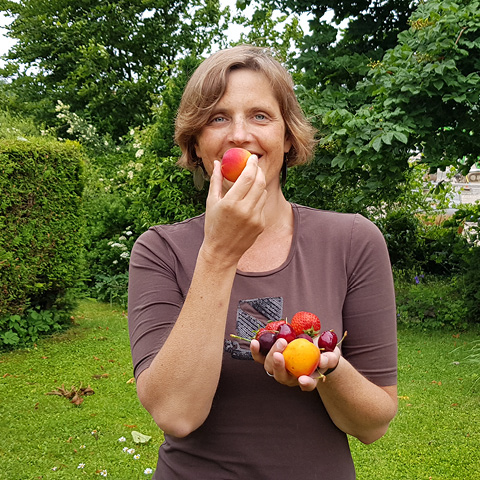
233 163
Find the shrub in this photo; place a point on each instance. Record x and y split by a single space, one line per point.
41 228
431 303
403 233
127 192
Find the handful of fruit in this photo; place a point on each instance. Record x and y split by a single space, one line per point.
304 341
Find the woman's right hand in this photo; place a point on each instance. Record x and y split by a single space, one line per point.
234 216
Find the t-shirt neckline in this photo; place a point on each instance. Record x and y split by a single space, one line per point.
266 273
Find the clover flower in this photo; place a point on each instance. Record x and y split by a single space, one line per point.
148 471
122 439
81 465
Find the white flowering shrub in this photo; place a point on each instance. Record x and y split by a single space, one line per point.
73 126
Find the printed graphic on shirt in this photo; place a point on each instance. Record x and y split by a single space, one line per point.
252 315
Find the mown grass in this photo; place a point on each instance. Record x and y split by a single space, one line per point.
47 437
436 434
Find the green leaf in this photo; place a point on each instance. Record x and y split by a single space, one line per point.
387 138
401 137
377 143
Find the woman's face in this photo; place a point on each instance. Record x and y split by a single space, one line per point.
247 116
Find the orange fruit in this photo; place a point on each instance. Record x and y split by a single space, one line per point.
301 357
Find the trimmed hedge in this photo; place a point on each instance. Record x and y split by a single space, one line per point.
41 225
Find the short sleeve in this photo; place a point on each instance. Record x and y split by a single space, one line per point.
154 297
369 310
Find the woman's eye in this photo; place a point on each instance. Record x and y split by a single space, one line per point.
260 116
218 119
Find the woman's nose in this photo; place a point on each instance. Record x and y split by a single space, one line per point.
239 131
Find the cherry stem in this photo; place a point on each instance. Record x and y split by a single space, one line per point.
343 338
240 338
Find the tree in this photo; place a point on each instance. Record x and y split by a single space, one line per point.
377 104
108 60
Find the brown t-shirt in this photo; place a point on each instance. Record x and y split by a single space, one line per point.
338 268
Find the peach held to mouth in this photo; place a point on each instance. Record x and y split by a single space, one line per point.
233 163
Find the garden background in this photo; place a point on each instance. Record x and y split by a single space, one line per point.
88 95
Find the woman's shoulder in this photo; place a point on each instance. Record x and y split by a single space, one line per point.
335 222
176 234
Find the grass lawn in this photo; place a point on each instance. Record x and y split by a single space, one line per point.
436 434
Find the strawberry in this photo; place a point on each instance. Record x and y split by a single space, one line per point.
275 325
306 322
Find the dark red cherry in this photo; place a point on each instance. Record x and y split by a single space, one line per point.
306 336
328 341
287 332
266 341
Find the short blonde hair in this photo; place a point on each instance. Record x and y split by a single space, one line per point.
208 84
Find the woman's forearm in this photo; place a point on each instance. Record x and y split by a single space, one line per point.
357 406
178 387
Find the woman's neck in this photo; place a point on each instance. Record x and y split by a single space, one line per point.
272 246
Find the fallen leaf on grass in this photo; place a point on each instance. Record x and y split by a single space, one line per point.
140 437
132 380
103 375
75 395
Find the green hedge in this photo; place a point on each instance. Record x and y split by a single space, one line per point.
41 225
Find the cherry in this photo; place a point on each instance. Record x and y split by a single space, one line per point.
287 332
266 341
328 341
306 336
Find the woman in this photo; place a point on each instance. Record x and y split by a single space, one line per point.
255 257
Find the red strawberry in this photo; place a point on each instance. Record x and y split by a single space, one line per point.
274 325
306 322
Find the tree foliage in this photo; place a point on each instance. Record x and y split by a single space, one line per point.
108 60
377 102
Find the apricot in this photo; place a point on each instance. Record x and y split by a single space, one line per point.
233 163
301 357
